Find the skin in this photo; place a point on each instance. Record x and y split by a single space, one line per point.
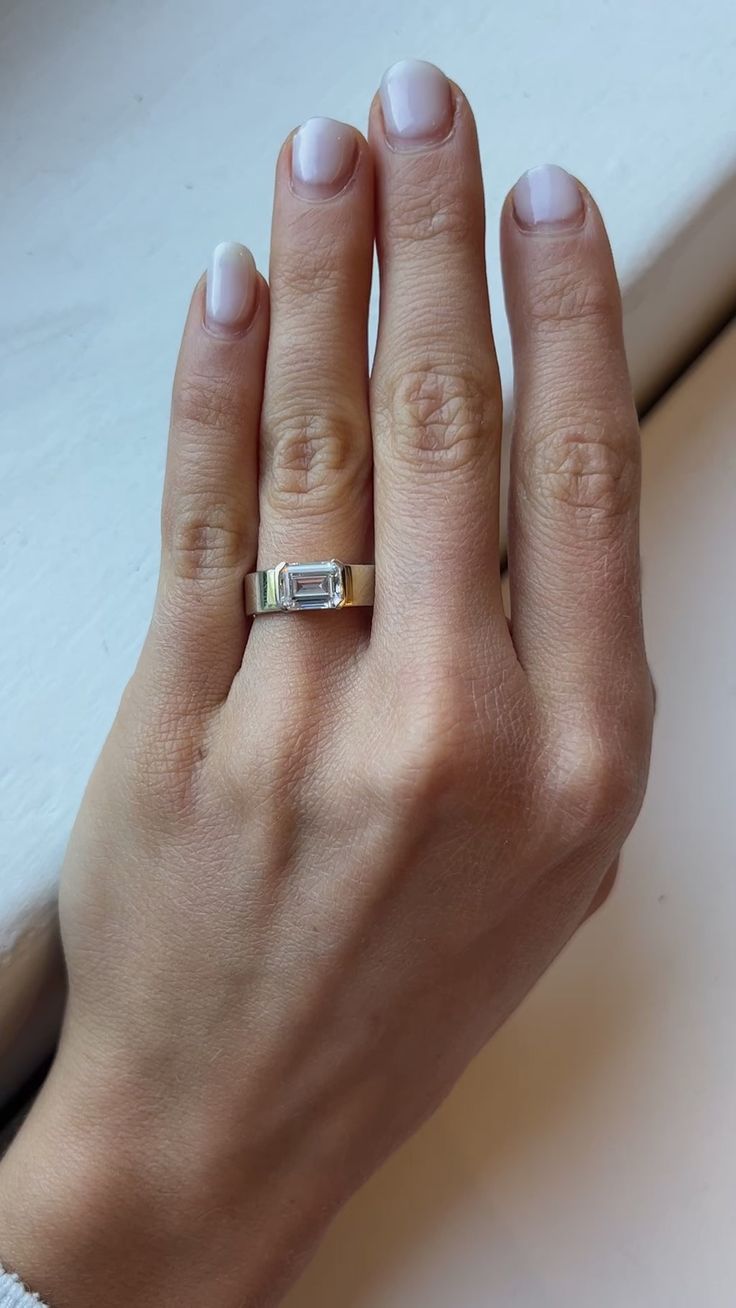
323 857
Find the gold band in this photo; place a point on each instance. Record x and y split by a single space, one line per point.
303 587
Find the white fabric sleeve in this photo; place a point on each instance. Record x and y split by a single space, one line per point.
13 1293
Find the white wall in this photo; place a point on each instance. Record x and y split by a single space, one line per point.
135 135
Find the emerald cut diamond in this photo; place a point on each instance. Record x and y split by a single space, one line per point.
312 585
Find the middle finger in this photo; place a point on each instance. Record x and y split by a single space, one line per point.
435 391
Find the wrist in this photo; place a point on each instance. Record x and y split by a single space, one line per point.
105 1199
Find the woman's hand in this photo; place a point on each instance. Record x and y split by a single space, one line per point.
323 856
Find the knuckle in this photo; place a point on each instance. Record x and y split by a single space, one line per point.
310 264
266 781
564 295
433 752
163 746
416 778
441 416
279 763
419 213
204 539
279 758
590 469
315 462
206 404
599 786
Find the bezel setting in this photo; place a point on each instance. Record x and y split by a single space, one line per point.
304 587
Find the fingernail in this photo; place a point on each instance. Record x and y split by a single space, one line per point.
417 104
547 197
323 157
232 283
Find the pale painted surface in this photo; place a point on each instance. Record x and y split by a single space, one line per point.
587 1158
135 135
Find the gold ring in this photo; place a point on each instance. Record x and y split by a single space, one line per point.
303 587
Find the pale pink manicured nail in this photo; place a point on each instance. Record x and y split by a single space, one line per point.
232 286
547 197
417 104
323 156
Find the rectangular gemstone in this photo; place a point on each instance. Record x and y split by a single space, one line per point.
311 585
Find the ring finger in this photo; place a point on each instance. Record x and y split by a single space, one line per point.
315 486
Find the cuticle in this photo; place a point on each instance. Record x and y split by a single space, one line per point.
323 199
551 229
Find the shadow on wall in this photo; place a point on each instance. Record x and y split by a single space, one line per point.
31 1002
520 1090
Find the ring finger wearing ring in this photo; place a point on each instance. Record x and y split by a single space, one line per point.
315 487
